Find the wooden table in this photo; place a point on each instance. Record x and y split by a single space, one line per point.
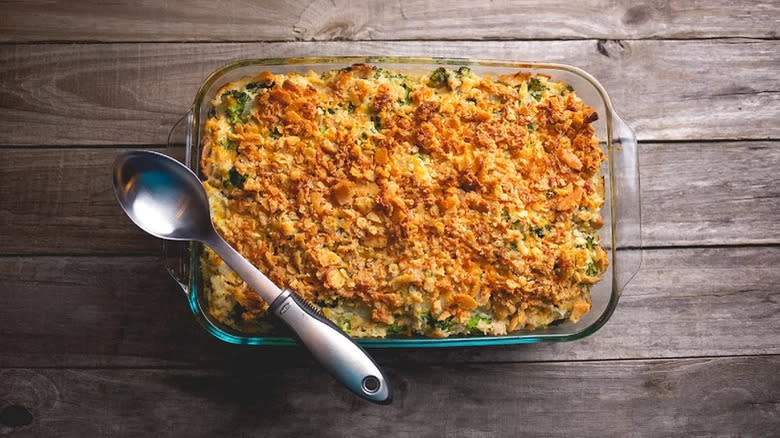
96 340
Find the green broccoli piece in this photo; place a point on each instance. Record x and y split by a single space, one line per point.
408 98
394 328
236 102
535 88
474 322
236 178
254 86
236 313
463 71
439 78
434 322
229 144
539 231
345 325
592 270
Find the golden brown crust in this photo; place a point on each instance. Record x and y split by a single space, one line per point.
398 196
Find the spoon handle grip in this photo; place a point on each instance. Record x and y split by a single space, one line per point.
342 357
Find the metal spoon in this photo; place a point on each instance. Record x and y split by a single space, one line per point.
167 200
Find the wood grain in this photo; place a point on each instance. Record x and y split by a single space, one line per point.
200 20
699 193
131 94
64 202
689 397
692 194
124 311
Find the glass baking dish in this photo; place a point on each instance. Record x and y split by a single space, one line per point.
620 235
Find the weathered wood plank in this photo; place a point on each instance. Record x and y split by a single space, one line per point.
87 311
688 397
62 201
699 193
199 20
692 194
54 94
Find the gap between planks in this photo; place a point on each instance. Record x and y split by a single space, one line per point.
207 366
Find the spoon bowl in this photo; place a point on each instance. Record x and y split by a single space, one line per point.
161 196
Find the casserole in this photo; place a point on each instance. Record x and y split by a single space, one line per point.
620 235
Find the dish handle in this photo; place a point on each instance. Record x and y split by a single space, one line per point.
176 255
628 228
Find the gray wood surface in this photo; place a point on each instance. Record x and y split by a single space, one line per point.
99 94
73 211
639 398
282 20
124 311
96 340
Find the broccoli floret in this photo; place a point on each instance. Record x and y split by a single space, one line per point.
254 86
345 325
434 322
592 270
229 144
236 101
377 123
535 88
539 231
394 328
463 71
474 322
589 242
530 127
439 78
236 313
236 178
408 98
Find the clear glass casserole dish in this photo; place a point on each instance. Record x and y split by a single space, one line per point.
620 235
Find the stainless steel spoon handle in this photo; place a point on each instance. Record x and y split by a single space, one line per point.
330 346
256 280
341 356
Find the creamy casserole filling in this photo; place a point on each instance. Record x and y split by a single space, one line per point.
433 204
